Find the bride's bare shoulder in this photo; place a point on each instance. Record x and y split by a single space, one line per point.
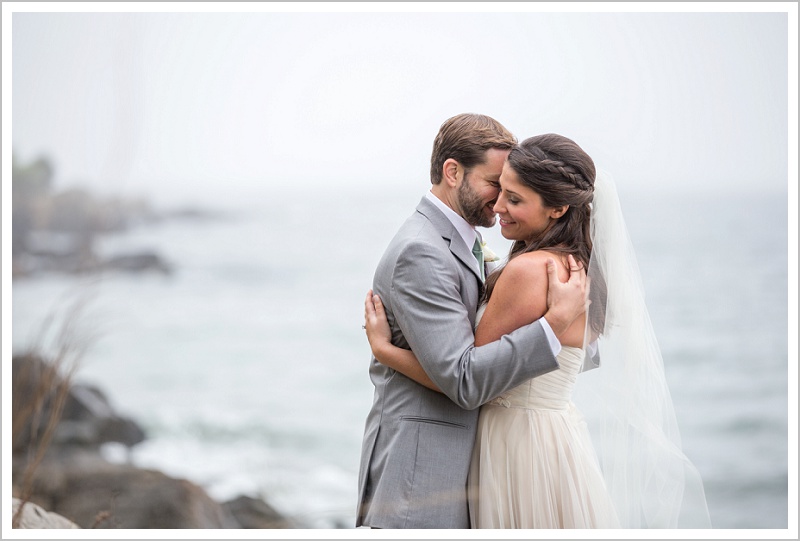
531 267
530 263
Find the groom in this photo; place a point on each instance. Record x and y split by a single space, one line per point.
418 443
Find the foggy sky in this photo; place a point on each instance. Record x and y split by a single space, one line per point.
203 104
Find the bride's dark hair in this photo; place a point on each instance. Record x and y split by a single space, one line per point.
562 173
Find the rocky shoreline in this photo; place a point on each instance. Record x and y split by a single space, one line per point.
56 231
61 475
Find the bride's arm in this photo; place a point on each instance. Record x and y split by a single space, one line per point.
379 336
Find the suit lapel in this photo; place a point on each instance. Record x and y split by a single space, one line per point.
448 231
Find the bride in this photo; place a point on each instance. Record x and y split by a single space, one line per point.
535 463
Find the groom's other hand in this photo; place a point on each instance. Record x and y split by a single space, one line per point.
565 300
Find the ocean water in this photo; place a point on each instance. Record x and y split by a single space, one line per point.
247 367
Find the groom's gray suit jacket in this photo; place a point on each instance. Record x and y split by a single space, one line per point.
417 442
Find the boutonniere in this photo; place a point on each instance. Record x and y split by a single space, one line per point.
488 255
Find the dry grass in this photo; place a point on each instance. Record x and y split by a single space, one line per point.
40 390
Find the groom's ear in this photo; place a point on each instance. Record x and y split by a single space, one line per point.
450 169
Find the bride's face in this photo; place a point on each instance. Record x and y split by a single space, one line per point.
522 216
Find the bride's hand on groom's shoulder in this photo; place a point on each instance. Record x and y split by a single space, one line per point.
565 300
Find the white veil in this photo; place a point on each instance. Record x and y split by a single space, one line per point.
626 401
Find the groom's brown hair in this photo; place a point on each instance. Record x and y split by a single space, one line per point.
466 138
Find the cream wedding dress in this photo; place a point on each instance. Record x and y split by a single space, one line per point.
533 464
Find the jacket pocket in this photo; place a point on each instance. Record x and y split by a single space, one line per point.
427 420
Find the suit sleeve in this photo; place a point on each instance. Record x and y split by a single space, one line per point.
429 311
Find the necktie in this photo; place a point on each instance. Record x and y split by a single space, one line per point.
477 251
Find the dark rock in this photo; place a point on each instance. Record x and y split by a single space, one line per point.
121 430
72 478
144 261
94 493
253 513
88 413
87 418
192 213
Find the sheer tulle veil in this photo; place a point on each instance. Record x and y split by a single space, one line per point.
626 401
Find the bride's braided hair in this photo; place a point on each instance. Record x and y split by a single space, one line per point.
561 173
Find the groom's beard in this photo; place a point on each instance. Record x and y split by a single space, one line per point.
473 207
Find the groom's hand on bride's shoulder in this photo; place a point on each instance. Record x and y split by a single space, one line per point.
565 300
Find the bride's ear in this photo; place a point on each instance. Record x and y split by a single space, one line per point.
558 212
